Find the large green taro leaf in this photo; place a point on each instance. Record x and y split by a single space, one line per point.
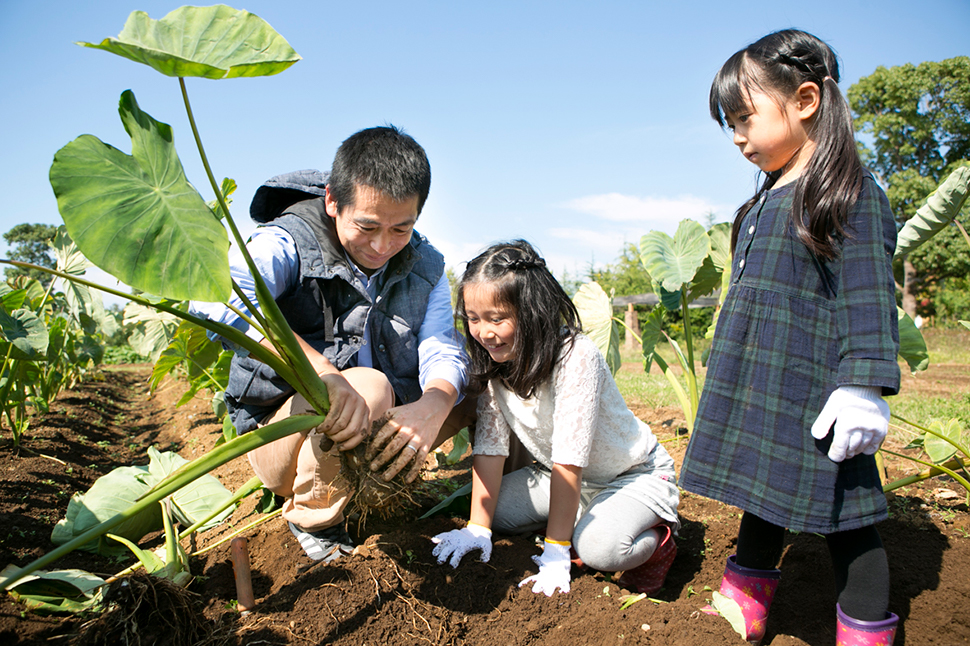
137 217
212 42
936 447
673 262
941 207
596 313
27 332
912 347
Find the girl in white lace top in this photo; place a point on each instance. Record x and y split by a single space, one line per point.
601 483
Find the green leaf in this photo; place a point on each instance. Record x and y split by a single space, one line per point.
194 501
463 491
228 188
211 42
730 610
720 236
673 262
110 494
148 559
153 329
58 591
460 444
81 300
940 208
912 346
137 217
630 599
652 332
27 332
938 448
596 313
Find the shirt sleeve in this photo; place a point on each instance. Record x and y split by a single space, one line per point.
578 386
492 430
274 254
441 353
866 302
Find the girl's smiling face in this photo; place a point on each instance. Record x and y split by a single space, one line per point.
490 323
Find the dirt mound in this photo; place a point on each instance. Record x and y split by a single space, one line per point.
391 591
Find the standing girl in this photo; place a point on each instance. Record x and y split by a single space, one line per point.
805 348
601 484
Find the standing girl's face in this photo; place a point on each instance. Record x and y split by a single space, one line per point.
490 323
774 137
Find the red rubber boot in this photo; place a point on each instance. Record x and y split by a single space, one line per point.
649 577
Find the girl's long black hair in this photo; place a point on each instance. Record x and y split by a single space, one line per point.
825 192
546 321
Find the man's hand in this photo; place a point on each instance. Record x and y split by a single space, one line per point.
410 433
348 421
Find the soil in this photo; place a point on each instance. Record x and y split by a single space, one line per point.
391 591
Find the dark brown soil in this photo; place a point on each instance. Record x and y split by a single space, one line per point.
392 591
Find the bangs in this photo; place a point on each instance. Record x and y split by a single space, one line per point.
731 89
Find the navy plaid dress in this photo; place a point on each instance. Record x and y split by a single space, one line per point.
792 329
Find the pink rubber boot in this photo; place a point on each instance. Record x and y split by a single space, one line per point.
649 577
852 632
753 590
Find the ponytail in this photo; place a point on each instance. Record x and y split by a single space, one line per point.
826 191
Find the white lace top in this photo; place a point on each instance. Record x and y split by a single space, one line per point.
577 417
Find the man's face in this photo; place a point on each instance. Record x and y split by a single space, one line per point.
375 228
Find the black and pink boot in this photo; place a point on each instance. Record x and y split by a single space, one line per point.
852 632
753 591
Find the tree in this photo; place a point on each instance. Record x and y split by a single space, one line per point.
918 117
30 244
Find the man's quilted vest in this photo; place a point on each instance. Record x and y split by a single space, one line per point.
328 308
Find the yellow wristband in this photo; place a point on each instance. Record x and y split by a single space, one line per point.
469 524
564 543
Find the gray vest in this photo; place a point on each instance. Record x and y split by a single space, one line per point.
328 308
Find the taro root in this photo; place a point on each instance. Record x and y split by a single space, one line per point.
371 492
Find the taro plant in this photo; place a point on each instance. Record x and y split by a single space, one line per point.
944 442
138 218
49 338
682 269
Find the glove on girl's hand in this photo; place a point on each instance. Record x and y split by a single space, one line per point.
459 542
554 567
861 419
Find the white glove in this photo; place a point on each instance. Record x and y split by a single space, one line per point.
554 567
459 542
861 419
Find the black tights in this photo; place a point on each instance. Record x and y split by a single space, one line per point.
858 557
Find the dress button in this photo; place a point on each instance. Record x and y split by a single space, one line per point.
381 347
751 229
741 264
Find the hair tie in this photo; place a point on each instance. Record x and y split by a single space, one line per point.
520 263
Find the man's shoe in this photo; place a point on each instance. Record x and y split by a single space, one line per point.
327 544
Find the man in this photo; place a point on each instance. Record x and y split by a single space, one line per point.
371 306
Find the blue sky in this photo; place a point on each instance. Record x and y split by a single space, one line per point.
576 126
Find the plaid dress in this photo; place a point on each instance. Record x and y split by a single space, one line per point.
792 329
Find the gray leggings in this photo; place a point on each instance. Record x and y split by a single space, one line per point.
613 531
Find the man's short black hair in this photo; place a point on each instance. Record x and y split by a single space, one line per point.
384 158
